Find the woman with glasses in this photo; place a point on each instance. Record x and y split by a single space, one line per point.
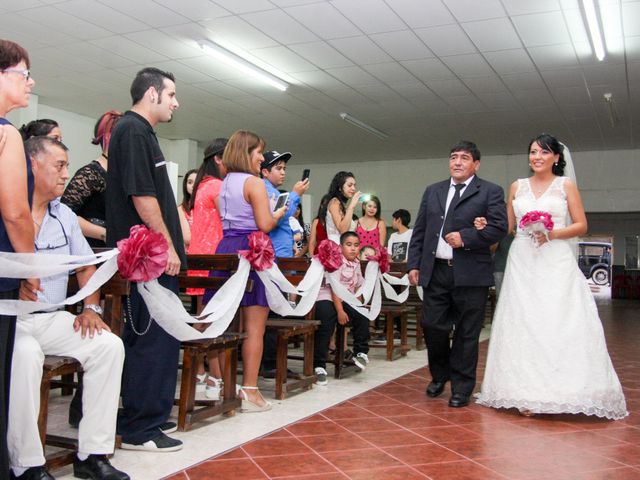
16 224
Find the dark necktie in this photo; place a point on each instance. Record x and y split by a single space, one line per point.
447 227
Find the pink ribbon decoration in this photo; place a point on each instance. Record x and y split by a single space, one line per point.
536 216
143 256
260 254
382 257
329 255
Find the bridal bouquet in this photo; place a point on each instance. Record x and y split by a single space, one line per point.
536 221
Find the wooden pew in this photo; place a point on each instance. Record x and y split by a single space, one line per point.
290 330
191 410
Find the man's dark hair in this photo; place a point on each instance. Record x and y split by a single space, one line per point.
149 77
345 235
403 215
466 146
37 128
37 145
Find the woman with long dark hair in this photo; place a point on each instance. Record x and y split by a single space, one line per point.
371 227
44 127
185 212
344 198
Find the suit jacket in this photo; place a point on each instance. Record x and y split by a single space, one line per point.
472 264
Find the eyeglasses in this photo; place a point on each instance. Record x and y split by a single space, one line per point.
26 73
58 241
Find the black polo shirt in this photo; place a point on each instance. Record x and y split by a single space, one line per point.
138 168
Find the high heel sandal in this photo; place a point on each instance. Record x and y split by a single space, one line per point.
251 407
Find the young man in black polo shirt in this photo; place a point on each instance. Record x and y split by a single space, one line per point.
138 191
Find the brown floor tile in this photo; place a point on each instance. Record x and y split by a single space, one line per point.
419 421
335 442
463 470
586 439
319 476
375 400
294 465
448 433
279 434
232 455
393 411
267 447
522 468
623 453
423 454
361 459
373 424
396 438
392 473
242 469
314 428
347 411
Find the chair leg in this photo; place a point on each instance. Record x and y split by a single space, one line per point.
339 356
45 388
187 400
229 374
281 366
404 343
307 368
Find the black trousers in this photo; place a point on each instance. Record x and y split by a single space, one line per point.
448 307
326 313
150 371
7 335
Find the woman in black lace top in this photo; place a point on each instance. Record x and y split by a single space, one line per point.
85 193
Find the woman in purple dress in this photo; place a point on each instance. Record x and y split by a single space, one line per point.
244 208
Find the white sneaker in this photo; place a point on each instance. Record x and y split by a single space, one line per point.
213 388
321 376
361 360
201 384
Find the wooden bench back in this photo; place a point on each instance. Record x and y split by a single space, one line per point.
221 263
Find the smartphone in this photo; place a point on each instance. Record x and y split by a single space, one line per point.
282 201
305 174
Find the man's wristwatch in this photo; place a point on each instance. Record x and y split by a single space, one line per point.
95 307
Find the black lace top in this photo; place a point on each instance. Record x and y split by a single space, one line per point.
85 195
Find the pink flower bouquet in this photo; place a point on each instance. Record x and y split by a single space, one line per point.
143 256
536 221
260 254
382 257
329 255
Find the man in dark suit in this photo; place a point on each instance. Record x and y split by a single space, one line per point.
451 260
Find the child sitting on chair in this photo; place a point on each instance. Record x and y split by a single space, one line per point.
329 309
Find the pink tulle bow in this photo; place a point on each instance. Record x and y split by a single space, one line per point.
143 256
536 216
330 255
260 254
382 257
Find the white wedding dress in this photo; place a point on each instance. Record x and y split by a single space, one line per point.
547 352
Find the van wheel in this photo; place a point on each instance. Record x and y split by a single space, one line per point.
600 276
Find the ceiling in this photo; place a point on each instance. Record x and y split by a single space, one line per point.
426 72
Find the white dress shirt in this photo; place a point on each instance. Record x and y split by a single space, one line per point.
444 250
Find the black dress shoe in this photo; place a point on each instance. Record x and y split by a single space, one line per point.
34 473
435 389
97 467
458 400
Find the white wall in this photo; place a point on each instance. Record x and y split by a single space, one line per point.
609 180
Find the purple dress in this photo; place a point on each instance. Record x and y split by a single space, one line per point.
238 223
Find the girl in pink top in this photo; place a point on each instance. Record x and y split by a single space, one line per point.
371 228
206 227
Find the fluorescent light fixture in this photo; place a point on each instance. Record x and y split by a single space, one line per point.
241 64
594 28
364 126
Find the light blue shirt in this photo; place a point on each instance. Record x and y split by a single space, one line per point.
59 234
282 235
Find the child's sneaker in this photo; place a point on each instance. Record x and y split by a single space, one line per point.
213 388
201 384
348 356
321 376
361 360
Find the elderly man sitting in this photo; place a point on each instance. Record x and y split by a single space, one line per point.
84 337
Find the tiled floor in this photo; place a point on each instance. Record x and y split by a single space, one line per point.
393 431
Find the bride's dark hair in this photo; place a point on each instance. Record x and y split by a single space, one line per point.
549 142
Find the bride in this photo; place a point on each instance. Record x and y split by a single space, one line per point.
547 352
